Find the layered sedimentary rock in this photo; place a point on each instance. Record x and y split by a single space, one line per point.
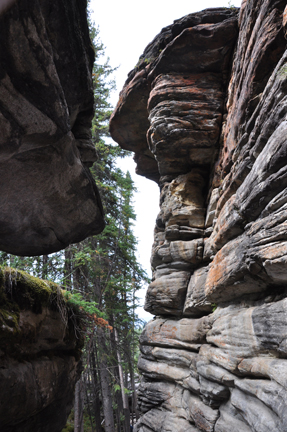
48 197
40 348
208 98
48 200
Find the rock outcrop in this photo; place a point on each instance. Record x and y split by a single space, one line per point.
48 197
40 349
48 200
208 123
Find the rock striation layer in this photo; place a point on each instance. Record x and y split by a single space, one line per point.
208 123
48 197
40 349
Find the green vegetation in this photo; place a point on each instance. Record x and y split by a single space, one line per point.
31 293
282 73
86 423
231 6
99 280
19 291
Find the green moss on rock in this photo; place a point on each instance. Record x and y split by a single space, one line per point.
20 291
27 291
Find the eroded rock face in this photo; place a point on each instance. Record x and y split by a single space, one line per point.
48 197
172 89
40 347
209 125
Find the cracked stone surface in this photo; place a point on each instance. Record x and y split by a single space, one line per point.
48 197
209 125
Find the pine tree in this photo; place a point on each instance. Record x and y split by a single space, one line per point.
102 276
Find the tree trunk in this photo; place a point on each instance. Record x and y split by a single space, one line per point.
118 393
68 268
105 383
126 410
87 380
45 267
131 360
97 404
134 394
79 407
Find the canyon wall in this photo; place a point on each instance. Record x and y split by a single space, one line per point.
48 197
41 337
48 200
205 113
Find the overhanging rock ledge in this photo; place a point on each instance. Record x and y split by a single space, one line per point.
48 197
205 113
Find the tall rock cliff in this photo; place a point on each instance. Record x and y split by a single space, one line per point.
205 113
48 197
48 200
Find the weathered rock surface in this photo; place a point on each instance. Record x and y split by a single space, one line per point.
39 354
195 78
48 197
209 124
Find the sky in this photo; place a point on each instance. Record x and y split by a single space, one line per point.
126 27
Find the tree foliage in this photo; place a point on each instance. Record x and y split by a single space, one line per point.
101 276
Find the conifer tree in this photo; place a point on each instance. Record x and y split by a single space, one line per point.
102 276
